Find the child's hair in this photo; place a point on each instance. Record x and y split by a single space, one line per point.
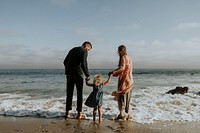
98 79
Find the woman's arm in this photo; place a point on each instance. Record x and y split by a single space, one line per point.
120 69
127 89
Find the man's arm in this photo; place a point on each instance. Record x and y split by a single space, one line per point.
84 65
87 82
65 60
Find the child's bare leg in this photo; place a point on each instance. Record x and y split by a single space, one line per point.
94 113
100 113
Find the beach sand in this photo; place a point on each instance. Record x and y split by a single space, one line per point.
59 125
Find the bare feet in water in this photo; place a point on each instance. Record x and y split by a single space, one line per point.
120 116
80 116
67 115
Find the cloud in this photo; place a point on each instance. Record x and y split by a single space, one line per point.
5 33
10 49
89 33
15 56
179 46
185 26
103 58
156 53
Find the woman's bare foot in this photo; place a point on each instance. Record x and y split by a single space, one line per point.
129 117
120 116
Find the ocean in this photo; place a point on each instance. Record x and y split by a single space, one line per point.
42 93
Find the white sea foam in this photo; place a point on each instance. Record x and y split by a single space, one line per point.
147 106
41 93
154 105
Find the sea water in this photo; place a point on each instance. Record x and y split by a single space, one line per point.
42 93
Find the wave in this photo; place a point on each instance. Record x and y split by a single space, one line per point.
41 93
147 106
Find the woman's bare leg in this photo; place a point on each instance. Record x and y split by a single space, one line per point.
120 107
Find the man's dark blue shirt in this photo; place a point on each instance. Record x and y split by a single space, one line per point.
76 62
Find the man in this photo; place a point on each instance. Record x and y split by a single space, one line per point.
75 65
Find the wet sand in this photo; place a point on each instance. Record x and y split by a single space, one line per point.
59 125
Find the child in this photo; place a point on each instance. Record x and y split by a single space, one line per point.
95 99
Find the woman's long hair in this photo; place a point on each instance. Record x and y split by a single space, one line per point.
121 52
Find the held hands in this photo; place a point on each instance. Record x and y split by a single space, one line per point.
87 79
110 74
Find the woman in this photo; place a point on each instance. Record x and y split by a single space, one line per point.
125 81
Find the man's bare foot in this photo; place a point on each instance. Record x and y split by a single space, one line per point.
80 116
67 115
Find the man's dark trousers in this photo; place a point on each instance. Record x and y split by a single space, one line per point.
73 79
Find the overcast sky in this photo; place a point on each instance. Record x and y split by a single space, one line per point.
157 33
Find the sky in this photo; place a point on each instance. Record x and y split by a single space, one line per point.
158 34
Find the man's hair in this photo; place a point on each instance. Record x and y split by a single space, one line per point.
87 43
